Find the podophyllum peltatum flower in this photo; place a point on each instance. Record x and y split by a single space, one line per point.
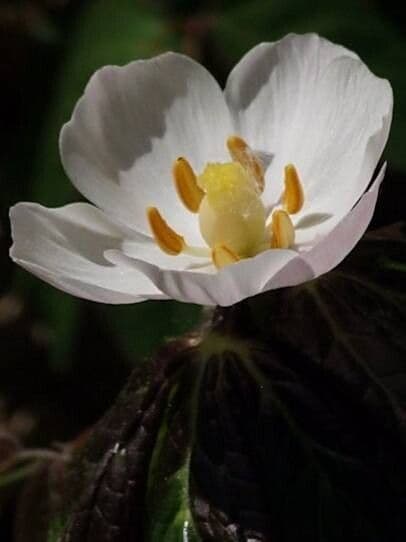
208 196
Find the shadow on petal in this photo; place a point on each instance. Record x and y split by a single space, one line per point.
313 219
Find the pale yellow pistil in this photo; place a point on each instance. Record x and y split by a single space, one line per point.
232 217
231 213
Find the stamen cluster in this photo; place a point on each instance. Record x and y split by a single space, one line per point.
232 216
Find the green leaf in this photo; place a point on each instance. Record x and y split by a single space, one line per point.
169 514
283 416
355 314
108 486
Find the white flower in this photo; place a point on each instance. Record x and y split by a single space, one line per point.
272 177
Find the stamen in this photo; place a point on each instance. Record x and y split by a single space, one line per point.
188 191
167 239
283 232
242 153
293 197
222 255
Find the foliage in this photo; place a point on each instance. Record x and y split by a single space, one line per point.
285 416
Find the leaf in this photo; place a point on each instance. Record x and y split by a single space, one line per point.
284 416
109 485
355 315
168 500
284 448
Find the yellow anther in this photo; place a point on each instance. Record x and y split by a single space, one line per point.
167 239
241 152
188 191
293 197
283 232
222 255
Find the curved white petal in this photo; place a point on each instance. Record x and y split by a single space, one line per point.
150 252
315 104
65 247
225 287
333 248
130 126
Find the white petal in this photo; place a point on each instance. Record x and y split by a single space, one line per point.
150 252
227 286
334 247
130 126
314 104
331 250
65 247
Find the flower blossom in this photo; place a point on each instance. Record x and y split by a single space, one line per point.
206 196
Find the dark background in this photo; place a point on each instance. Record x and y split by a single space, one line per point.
63 360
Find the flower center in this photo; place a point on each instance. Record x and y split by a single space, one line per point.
231 212
232 216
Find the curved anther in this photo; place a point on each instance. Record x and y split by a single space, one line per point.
222 255
166 238
242 153
293 197
188 191
283 232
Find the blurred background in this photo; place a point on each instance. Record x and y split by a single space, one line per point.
63 360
